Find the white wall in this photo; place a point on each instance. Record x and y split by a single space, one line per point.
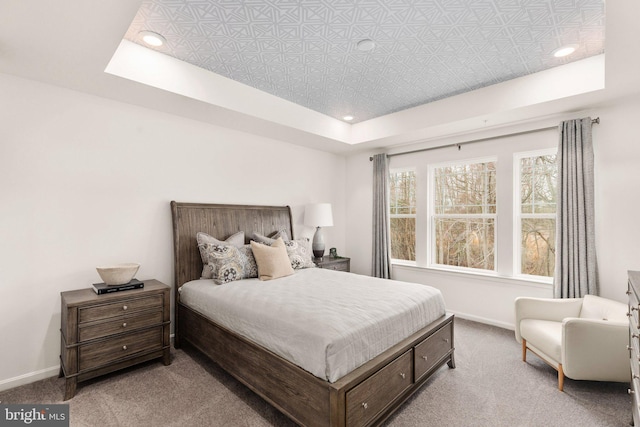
86 181
617 154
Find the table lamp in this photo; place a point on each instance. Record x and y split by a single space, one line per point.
318 215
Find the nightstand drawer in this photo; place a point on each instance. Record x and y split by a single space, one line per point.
104 352
89 314
337 267
333 263
121 324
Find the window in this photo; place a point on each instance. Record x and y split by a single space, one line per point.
486 210
535 213
464 215
402 201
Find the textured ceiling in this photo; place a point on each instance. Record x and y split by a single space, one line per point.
305 50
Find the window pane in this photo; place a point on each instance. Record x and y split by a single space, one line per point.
403 238
538 179
466 189
465 242
402 203
402 192
538 246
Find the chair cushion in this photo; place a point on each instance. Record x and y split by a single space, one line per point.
545 335
594 307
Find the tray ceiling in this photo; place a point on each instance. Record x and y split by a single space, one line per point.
425 50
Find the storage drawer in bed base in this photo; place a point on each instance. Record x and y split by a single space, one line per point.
306 399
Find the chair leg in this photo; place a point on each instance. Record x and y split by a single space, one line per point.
524 350
560 378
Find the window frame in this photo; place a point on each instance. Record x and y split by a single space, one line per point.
518 215
432 216
414 216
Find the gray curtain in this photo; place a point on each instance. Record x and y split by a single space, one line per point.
381 261
576 269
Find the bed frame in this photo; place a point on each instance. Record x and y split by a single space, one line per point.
366 396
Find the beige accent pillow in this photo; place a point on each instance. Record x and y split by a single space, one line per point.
273 261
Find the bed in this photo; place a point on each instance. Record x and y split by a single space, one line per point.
366 395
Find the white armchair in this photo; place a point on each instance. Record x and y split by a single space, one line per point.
582 338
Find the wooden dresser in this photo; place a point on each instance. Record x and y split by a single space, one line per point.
331 263
634 342
104 333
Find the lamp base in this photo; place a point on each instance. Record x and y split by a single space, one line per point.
318 244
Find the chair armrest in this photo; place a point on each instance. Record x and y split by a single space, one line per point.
545 309
596 350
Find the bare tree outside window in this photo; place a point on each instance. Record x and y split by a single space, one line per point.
402 201
465 215
537 214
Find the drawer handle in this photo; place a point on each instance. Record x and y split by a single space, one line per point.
124 347
365 405
124 325
630 391
446 340
628 347
628 314
124 307
425 357
628 292
636 377
403 375
634 335
635 308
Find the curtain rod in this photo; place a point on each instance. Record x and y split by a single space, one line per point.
460 144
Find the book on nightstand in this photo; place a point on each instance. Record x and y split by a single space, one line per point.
103 288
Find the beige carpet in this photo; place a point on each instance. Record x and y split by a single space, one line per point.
490 387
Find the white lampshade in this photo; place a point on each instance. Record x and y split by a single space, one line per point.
318 215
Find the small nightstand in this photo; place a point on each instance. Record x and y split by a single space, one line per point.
331 263
105 333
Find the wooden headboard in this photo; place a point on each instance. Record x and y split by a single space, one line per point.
219 221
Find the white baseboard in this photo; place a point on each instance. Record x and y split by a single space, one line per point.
29 378
485 320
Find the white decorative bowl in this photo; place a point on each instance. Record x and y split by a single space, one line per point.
118 274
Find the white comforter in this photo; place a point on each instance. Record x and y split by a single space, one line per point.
324 321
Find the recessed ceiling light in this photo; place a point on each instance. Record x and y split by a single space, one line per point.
151 38
565 50
347 118
366 45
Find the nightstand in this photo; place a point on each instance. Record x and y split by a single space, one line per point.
331 263
105 333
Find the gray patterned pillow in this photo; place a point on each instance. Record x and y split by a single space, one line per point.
249 262
228 263
236 240
271 239
300 253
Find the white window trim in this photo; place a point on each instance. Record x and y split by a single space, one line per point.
518 215
431 241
